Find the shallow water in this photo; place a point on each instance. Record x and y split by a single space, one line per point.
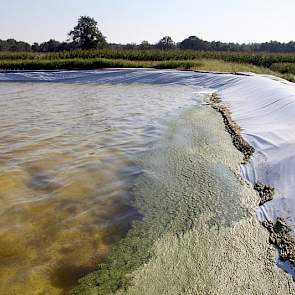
67 165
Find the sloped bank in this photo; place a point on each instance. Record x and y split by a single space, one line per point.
279 230
199 234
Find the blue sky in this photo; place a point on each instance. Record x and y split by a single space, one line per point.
126 21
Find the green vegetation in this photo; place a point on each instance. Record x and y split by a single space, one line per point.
86 35
174 168
14 46
257 59
132 252
166 43
282 65
88 49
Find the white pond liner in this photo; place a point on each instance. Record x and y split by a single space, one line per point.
263 106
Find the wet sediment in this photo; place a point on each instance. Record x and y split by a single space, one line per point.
265 192
280 237
279 232
232 128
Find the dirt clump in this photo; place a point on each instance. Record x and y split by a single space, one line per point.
265 192
232 128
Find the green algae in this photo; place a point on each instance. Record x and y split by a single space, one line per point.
188 173
199 234
130 253
217 258
216 261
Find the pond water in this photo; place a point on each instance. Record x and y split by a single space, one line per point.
67 164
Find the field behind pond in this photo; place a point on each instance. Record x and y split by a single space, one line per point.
279 64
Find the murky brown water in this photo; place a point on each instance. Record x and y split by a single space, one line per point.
67 164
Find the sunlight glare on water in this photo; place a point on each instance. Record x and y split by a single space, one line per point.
67 164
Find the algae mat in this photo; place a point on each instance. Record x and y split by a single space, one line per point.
199 234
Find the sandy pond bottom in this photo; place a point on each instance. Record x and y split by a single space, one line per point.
80 162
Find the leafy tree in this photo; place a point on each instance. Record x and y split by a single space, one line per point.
131 46
145 45
86 34
13 45
194 43
51 45
35 47
166 43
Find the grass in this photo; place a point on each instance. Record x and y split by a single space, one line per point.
258 59
94 63
282 65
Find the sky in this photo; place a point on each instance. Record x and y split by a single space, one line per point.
127 21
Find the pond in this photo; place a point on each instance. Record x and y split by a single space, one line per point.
67 166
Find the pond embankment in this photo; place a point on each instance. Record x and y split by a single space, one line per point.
204 183
199 233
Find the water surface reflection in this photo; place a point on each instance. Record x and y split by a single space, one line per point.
67 164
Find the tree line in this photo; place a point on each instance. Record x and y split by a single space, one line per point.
86 35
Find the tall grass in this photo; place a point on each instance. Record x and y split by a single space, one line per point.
96 63
92 63
258 59
284 68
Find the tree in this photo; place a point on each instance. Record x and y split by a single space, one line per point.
166 43
194 43
145 45
35 47
86 35
49 46
53 46
130 46
13 45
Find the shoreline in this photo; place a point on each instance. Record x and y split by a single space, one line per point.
279 231
202 65
179 233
